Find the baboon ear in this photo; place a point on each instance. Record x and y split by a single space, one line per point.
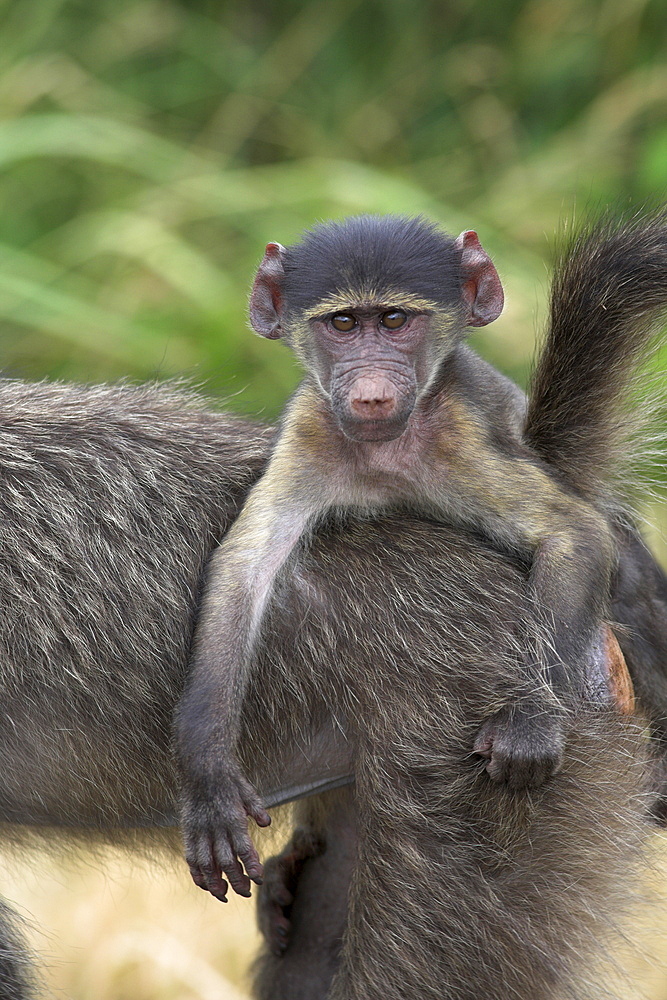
481 291
266 298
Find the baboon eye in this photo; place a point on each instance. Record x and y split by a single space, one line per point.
393 319
343 322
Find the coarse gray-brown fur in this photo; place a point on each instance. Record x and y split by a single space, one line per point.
111 499
430 823
123 490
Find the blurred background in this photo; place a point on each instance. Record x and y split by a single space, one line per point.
148 151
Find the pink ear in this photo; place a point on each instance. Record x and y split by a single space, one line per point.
481 290
266 298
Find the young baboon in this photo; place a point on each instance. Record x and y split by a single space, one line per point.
396 411
607 287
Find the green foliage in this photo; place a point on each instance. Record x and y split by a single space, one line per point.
149 149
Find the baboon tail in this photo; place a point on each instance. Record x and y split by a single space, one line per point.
608 287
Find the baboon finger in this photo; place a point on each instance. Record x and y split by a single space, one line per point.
228 861
254 806
244 848
206 874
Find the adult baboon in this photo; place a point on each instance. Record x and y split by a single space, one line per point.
111 500
427 840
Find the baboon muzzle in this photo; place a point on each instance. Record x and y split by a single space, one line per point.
376 409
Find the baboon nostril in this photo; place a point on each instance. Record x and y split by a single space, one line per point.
372 407
373 398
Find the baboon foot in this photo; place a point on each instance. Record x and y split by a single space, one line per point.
522 749
281 876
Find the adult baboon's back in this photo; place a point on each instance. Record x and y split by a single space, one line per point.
111 499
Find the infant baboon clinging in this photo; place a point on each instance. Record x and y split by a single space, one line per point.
395 411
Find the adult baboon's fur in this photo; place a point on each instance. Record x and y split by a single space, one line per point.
320 856
111 499
456 879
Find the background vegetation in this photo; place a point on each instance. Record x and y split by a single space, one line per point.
149 149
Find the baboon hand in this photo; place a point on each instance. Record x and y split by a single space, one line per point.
215 831
522 748
281 878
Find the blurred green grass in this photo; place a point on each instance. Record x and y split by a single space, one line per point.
149 149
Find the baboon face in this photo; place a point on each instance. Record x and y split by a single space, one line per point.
372 306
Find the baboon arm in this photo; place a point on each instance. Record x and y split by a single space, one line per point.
217 797
326 761
239 581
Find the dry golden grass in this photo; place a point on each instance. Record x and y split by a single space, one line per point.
116 928
112 927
